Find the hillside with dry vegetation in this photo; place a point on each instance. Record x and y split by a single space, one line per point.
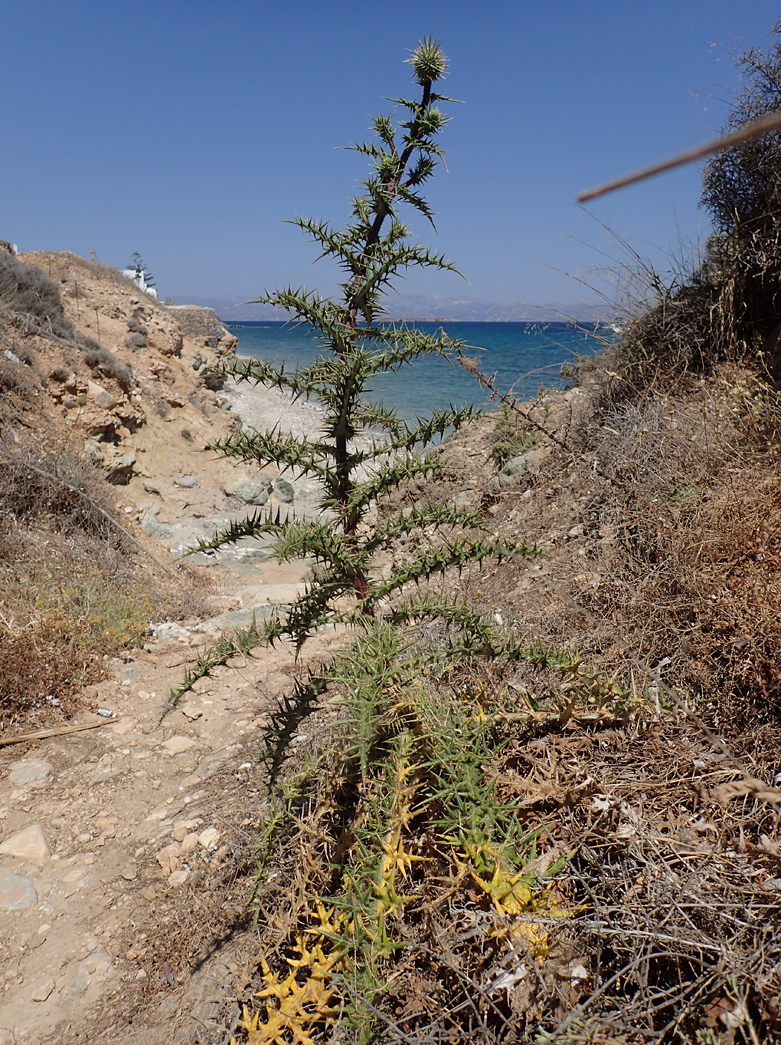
548 814
101 414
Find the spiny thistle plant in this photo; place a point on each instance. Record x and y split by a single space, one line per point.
357 346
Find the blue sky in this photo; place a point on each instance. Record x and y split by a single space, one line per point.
188 130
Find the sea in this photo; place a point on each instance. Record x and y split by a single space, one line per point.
524 357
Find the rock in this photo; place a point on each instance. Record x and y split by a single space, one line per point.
465 499
178 877
119 465
169 631
153 486
94 452
213 381
7 1036
16 891
251 491
125 725
129 872
169 345
43 990
226 346
175 746
94 968
174 399
518 466
187 482
189 843
27 844
103 398
169 859
191 712
516 469
283 490
208 838
31 772
99 424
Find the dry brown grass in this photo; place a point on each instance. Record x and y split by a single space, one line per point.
74 590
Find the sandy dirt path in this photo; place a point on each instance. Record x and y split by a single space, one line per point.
126 850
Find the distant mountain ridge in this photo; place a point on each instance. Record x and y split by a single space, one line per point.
231 309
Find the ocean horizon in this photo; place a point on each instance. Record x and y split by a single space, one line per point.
525 357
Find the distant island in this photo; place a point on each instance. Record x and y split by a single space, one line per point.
426 308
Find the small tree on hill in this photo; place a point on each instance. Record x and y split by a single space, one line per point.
742 191
356 347
138 267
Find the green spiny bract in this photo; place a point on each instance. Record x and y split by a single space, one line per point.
356 346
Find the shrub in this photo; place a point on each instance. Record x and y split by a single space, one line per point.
728 308
26 290
98 358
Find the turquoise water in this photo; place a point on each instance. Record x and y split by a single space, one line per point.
524 356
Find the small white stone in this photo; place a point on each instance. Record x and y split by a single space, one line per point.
208 838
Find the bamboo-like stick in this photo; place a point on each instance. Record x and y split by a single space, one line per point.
752 129
57 731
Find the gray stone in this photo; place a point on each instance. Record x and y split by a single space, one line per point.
27 844
16 891
93 450
31 772
519 466
516 470
153 486
187 482
169 631
465 499
119 465
283 491
104 399
250 491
